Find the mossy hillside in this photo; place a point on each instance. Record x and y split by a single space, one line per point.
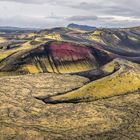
6 53
54 36
125 80
3 40
96 36
29 36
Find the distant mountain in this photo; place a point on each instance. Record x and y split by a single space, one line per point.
81 27
8 29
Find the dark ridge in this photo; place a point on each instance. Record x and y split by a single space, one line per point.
81 27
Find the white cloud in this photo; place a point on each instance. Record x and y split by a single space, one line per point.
82 18
50 13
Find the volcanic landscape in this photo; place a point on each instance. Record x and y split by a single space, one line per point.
70 83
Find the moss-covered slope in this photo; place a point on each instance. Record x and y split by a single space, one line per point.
125 80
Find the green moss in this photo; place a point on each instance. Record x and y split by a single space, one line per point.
115 84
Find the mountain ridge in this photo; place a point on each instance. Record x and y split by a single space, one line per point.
81 27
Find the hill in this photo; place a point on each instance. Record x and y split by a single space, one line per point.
118 83
81 27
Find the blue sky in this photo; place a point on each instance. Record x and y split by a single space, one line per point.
53 13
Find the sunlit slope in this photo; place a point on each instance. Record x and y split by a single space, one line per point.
125 80
95 36
54 36
3 40
26 36
16 48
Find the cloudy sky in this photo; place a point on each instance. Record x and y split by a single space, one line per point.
53 13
